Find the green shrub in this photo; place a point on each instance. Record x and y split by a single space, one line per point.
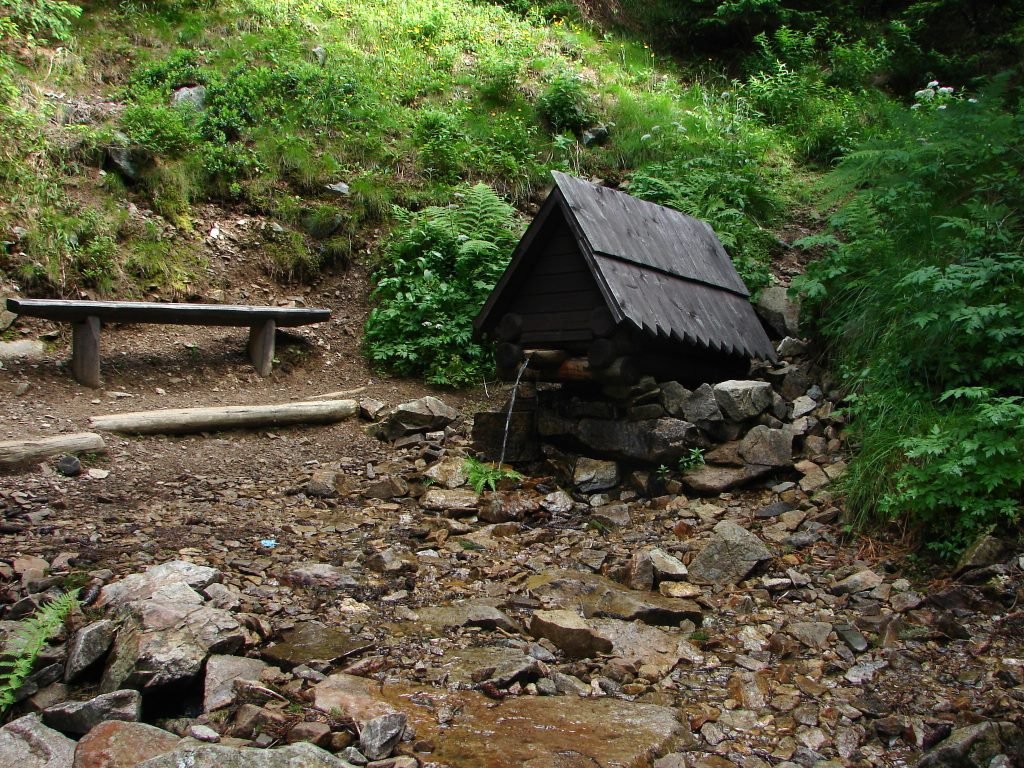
39 18
170 131
565 105
921 296
498 81
158 78
440 265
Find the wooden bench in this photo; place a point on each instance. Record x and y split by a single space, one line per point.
87 317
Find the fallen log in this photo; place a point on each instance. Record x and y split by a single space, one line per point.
22 451
185 420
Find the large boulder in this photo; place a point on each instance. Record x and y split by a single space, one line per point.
743 400
142 586
652 441
767 447
732 553
80 717
115 743
976 746
27 743
778 311
427 414
165 642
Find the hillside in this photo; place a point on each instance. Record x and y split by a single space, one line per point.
223 152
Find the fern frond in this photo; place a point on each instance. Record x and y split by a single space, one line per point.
28 641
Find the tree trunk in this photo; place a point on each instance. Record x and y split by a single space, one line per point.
184 420
22 451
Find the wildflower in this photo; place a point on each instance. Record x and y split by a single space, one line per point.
972 101
646 137
933 84
945 90
926 94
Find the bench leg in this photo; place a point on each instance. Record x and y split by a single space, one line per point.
85 352
261 346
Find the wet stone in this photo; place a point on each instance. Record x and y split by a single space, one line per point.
312 641
113 744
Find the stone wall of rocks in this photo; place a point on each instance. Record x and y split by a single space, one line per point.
779 424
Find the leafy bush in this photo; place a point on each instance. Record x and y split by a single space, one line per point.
564 105
921 296
42 18
498 82
170 131
440 265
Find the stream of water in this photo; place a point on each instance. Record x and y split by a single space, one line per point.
511 406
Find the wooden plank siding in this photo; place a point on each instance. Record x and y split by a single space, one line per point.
557 293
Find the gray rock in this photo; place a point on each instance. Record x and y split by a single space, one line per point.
776 309
862 581
424 415
141 586
814 477
813 634
222 597
87 647
299 755
164 643
379 737
392 561
467 614
557 502
80 717
27 743
22 349
323 484
791 347
666 566
506 507
976 746
591 475
742 400
320 55
339 188
319 575
985 551
126 161
714 478
310 641
448 473
767 447
599 596
802 406
653 441
69 466
640 574
371 409
701 407
732 553
570 633
456 501
221 674
387 487
673 398
193 97
611 516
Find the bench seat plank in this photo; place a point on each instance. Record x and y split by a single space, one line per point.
64 310
87 318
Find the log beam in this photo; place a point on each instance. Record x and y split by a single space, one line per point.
14 452
186 420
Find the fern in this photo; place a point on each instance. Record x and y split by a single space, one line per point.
441 264
27 642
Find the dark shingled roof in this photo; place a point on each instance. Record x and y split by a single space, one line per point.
661 270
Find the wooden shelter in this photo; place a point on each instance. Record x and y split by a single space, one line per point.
606 287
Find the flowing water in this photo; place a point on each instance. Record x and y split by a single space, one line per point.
511 405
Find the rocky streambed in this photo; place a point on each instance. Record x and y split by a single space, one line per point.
351 603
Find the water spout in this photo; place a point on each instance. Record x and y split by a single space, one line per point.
511 406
